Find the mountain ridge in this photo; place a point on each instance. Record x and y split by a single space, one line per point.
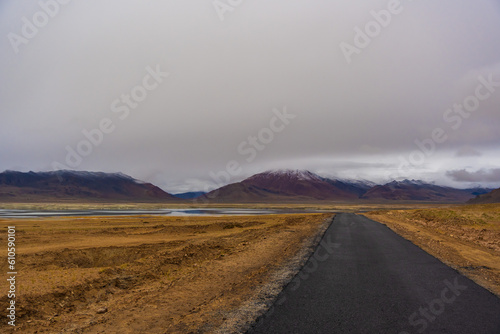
417 190
279 185
284 185
290 185
76 185
491 197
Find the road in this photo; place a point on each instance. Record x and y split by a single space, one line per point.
364 278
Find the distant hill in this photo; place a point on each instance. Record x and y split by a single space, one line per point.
190 195
285 185
414 190
358 187
491 197
76 185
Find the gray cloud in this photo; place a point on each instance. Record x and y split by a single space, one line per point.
467 151
483 175
227 76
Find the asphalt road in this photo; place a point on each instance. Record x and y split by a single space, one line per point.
364 278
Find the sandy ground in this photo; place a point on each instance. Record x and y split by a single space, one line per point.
147 274
466 238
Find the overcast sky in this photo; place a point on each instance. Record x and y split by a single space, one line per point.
180 89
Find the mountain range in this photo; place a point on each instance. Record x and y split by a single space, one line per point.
270 186
413 190
298 185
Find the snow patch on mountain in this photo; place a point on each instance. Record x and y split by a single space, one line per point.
361 183
302 175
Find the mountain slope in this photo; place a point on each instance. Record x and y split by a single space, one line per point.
76 185
284 185
491 197
189 195
412 190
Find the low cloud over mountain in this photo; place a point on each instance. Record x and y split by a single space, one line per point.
482 175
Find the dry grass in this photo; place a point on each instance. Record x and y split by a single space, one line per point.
157 274
151 274
465 237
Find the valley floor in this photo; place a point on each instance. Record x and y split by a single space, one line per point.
147 273
157 274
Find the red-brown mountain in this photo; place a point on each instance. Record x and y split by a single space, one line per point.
285 185
298 185
76 185
412 190
491 197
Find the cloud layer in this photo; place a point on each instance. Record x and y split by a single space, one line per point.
225 78
483 175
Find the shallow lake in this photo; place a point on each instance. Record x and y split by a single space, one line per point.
161 212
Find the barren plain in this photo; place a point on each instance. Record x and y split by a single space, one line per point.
146 274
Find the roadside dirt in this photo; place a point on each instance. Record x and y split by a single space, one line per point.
466 238
146 274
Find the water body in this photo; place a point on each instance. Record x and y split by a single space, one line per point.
160 212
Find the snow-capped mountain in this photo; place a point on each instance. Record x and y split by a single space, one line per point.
285 185
363 184
297 174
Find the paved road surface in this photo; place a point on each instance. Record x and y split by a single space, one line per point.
364 278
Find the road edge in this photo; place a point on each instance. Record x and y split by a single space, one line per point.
248 314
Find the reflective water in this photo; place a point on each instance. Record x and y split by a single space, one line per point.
163 212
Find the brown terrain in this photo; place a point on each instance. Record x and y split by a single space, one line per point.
75 186
466 238
412 190
282 185
151 274
157 274
278 186
302 186
491 197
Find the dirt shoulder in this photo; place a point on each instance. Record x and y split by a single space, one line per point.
150 274
466 238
